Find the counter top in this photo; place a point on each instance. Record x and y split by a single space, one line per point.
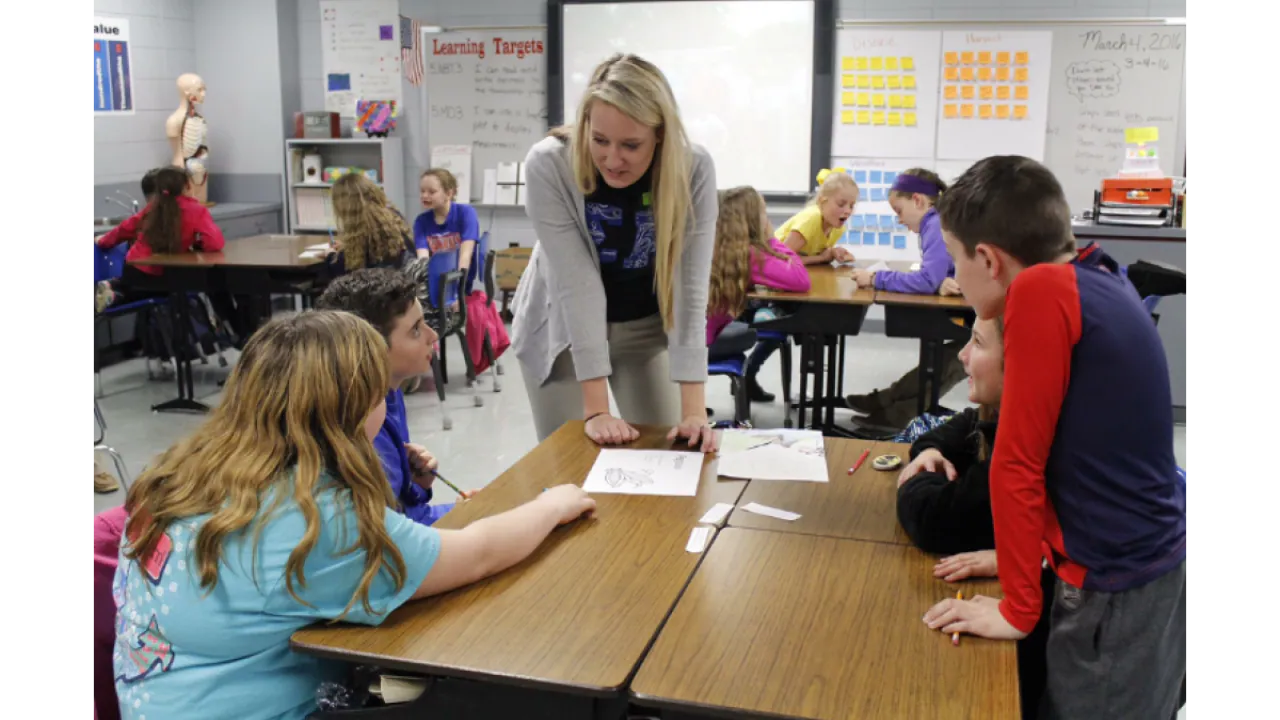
222 211
1129 232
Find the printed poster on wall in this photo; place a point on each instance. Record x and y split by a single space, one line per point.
360 46
873 232
886 92
112 71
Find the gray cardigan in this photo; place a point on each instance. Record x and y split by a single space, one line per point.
560 302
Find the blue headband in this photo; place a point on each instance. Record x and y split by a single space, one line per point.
905 183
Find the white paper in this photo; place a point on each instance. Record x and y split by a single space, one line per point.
767 511
698 539
788 455
923 47
320 247
457 160
361 42
645 472
490 187
716 514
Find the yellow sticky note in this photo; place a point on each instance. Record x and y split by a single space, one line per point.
908 101
1021 75
864 117
909 119
1002 74
891 63
909 82
984 74
877 100
950 111
864 99
864 81
1002 57
895 101
877 117
847 81
952 74
1020 112
1002 92
966 110
846 117
895 119
967 92
953 58
986 92
846 63
877 81
1022 57
967 57
1141 136
967 74
861 63
1002 112
951 92
984 57
908 63
984 112
1022 92
893 82
847 98
877 63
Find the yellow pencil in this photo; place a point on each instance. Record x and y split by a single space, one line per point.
955 636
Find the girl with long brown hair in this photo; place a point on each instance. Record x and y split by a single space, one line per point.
371 233
275 514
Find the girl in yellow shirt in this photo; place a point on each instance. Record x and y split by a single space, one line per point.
814 231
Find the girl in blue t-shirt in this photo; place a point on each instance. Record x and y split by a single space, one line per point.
445 225
276 514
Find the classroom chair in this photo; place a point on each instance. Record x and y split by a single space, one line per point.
784 354
728 358
109 265
122 472
439 280
1154 281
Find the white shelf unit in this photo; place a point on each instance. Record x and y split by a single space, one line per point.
386 155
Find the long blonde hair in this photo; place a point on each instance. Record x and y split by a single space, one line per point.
296 401
741 227
638 89
369 229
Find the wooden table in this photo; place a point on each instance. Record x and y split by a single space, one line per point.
578 615
800 626
274 251
934 320
862 506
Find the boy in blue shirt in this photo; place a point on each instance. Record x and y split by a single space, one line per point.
388 300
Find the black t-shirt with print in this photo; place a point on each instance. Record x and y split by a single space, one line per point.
621 225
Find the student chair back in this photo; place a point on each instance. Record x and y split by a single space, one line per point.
441 264
480 263
108 264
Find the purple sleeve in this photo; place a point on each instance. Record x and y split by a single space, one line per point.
420 231
935 265
789 275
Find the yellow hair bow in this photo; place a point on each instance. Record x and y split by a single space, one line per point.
826 172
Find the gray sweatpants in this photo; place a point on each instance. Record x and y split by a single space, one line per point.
1117 655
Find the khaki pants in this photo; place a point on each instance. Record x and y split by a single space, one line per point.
641 381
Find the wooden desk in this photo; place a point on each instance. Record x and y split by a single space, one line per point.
799 626
260 251
933 301
828 284
578 615
933 320
862 506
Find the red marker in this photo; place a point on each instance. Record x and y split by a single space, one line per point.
861 459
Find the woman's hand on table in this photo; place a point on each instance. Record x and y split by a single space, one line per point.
698 433
605 429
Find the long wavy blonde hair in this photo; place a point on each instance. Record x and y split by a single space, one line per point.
296 401
742 226
369 229
638 89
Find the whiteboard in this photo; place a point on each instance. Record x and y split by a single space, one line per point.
360 52
486 90
741 71
883 72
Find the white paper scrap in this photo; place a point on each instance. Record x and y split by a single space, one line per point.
698 539
716 514
773 455
645 472
767 511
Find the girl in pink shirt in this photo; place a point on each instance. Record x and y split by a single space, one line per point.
747 254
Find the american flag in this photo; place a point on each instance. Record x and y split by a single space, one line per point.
410 54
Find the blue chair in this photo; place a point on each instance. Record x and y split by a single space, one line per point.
734 367
784 353
109 265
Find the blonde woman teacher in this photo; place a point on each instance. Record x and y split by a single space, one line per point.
615 295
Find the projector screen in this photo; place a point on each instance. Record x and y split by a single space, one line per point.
742 73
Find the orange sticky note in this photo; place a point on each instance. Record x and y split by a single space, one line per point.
877 63
846 117
953 58
893 82
1020 112
864 117
909 119
908 63
1022 92
967 92
847 81
877 117
1002 74
895 119
984 112
908 101
984 57
864 99
950 111
877 100
1002 92
864 81
952 74
909 82
1020 75
891 63
966 57
861 63
1002 112
846 63
877 81
1002 57
895 101
951 92
986 92
1022 57
967 74
966 110
847 98
984 74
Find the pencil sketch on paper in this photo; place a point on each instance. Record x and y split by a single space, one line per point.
645 472
773 455
617 477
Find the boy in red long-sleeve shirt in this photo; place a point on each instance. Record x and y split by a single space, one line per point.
1083 475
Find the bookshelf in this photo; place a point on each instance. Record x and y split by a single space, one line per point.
308 205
